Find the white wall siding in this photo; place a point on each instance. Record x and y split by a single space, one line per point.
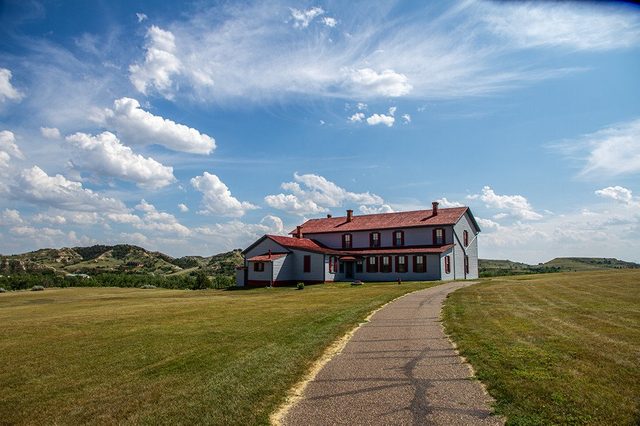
464 224
412 237
451 274
317 266
264 247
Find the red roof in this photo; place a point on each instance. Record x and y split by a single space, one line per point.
266 257
301 244
445 216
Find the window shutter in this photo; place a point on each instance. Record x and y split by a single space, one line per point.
434 237
397 263
402 238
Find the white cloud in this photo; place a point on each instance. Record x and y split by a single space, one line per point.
35 186
317 196
217 198
37 233
570 25
385 208
239 234
611 151
446 203
406 118
8 148
302 18
57 217
617 193
50 132
141 17
329 21
107 156
385 83
137 126
361 106
160 64
156 221
387 120
183 208
357 117
487 223
10 217
7 91
516 205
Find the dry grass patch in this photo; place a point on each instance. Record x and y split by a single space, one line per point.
557 348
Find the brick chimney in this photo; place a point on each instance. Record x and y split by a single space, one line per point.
329 216
349 215
435 208
298 231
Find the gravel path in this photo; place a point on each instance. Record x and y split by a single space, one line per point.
399 368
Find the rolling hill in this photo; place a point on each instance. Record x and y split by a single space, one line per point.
123 258
492 268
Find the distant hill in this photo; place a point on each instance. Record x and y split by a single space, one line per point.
492 268
118 258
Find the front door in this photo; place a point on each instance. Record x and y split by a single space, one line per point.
348 270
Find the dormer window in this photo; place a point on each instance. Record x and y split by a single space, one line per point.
398 238
465 237
346 241
374 239
438 236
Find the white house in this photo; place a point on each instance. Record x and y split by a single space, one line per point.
435 244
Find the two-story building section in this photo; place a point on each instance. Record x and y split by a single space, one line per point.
436 244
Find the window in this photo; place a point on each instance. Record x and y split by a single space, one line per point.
398 238
438 236
385 264
401 264
307 263
466 264
346 241
258 266
372 264
465 237
419 264
359 267
447 264
374 239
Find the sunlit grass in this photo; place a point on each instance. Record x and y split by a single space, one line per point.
110 355
555 348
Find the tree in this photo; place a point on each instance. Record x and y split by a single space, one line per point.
202 281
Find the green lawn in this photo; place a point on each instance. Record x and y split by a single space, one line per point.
554 348
111 355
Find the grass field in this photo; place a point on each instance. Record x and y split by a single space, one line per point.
554 348
110 355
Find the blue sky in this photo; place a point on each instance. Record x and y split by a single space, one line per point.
194 128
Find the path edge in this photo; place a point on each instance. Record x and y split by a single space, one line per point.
295 393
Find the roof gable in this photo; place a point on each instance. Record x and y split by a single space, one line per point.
416 218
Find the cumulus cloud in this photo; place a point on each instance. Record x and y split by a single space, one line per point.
10 217
387 120
446 203
8 148
50 132
357 117
217 198
329 21
105 155
617 193
35 186
385 208
313 194
141 17
302 18
159 66
516 205
137 126
239 234
183 208
406 118
7 91
384 83
154 220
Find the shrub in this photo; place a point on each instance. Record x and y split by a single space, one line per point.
300 286
148 286
37 288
